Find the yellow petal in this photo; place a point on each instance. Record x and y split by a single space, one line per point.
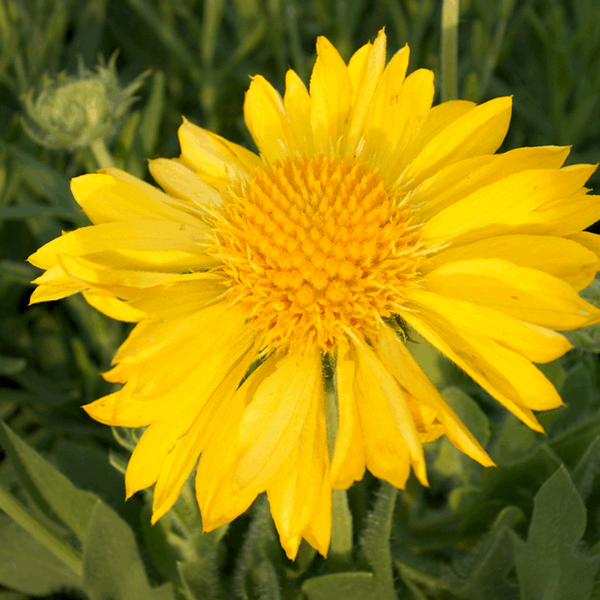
537 344
386 116
120 410
273 422
210 345
172 300
408 373
480 131
152 245
182 404
179 181
454 348
513 380
369 367
398 111
216 160
106 198
348 464
560 257
296 490
220 502
460 179
183 457
45 293
267 121
331 93
112 307
297 105
365 74
588 240
437 119
95 274
526 294
386 453
318 531
535 201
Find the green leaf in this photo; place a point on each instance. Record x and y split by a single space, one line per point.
153 113
49 489
46 181
349 586
112 568
28 566
41 530
549 565
10 365
20 272
36 211
483 573
587 471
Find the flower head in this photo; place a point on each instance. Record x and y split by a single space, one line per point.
367 212
73 111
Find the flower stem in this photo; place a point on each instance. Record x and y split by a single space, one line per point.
103 157
449 50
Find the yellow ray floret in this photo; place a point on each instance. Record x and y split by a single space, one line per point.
272 291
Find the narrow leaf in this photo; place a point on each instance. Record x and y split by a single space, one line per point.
49 489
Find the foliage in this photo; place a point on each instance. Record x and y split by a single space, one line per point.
525 529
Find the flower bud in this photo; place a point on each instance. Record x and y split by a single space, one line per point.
73 111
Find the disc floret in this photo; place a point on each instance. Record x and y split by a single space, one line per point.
317 248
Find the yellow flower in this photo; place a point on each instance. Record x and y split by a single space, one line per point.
367 211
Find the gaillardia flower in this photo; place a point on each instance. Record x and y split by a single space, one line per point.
272 292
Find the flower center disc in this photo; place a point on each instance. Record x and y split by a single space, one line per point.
317 248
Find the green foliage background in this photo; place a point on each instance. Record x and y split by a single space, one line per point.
528 529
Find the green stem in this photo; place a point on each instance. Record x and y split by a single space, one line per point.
450 50
103 157
341 529
341 518
61 549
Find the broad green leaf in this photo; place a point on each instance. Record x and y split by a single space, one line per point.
86 465
511 483
112 567
349 586
549 564
483 573
49 489
28 566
